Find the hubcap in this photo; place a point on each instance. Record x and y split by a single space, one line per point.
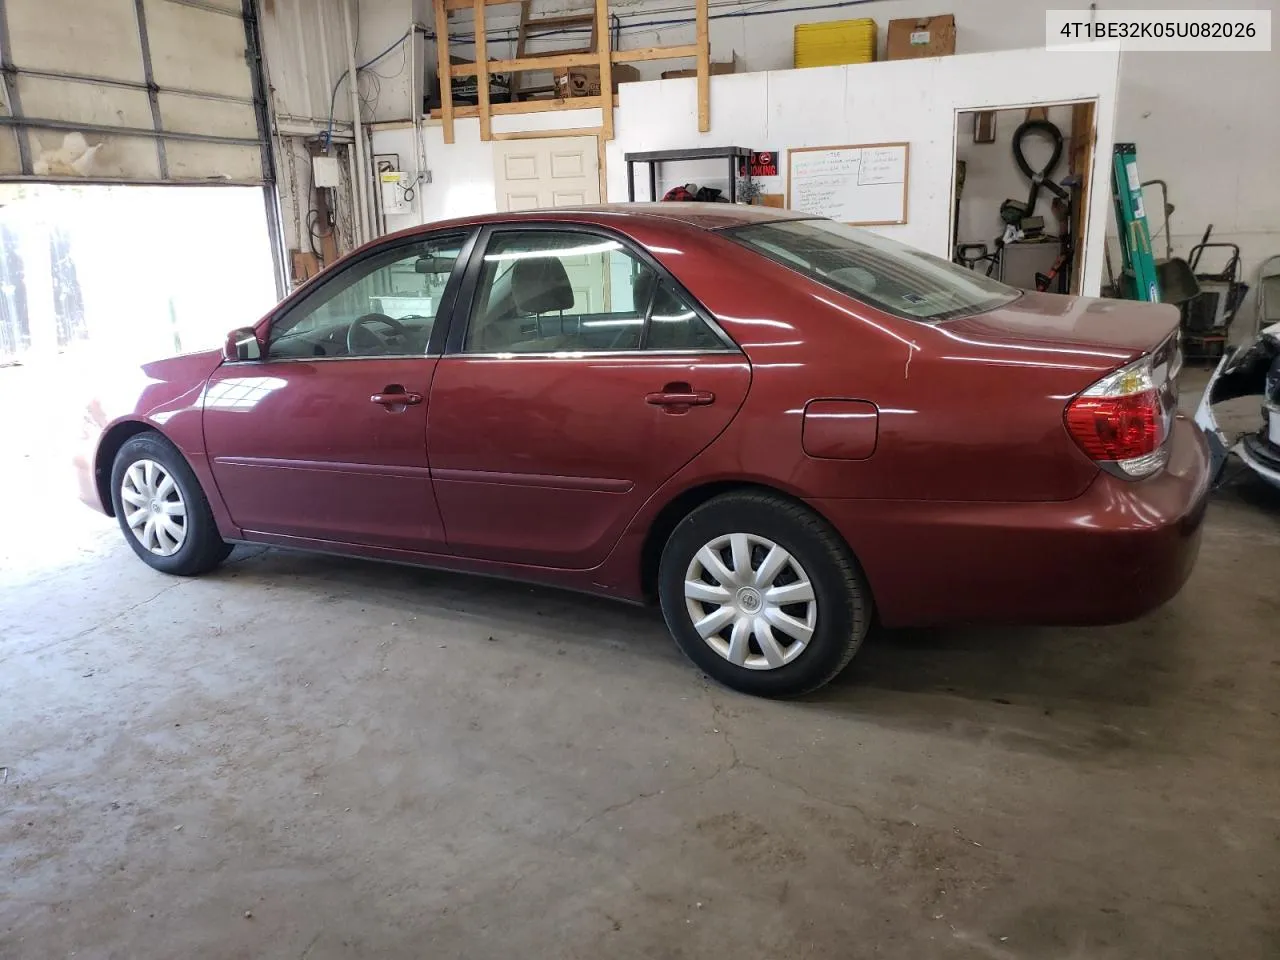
751 601
154 509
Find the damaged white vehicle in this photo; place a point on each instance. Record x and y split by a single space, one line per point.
1246 371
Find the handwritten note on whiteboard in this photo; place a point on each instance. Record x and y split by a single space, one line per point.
854 184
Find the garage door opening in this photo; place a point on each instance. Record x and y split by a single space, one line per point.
133 271
95 280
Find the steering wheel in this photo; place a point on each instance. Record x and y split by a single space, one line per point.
360 329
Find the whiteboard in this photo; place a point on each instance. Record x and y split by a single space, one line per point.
864 185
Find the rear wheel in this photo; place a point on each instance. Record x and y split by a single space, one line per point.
763 595
162 510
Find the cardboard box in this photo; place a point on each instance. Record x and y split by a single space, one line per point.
716 67
921 37
585 81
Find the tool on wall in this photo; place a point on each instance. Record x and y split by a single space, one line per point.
1138 280
1021 222
1022 215
1066 210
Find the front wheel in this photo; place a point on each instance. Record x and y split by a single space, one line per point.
762 595
162 510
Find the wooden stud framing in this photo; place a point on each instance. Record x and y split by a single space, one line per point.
603 46
482 78
604 186
528 63
704 66
527 106
452 5
655 53
1084 137
442 68
601 57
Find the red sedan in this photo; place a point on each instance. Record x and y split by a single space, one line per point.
780 428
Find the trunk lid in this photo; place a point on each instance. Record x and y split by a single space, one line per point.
1115 331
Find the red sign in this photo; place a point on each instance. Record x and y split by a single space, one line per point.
762 164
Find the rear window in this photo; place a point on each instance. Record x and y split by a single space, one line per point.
886 274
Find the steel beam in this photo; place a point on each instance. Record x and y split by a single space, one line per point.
11 87
148 77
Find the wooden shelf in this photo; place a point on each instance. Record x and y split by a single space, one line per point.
548 62
600 56
529 106
655 53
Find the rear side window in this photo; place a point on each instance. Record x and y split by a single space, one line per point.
888 275
547 291
673 324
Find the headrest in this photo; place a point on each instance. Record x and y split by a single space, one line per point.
540 285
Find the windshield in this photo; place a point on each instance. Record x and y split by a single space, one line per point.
888 275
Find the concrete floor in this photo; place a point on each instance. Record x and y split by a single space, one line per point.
308 757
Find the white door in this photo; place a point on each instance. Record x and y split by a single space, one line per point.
549 172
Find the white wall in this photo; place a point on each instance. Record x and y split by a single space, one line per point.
304 45
1204 122
1201 121
916 101
867 103
462 173
386 88
305 51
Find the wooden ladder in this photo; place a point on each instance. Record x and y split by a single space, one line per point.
530 28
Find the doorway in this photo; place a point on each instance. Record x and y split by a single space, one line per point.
1021 198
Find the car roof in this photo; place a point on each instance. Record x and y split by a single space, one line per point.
704 216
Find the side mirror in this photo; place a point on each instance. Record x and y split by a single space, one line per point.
242 344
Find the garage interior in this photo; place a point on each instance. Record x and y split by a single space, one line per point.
311 756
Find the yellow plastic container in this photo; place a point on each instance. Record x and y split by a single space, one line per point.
835 42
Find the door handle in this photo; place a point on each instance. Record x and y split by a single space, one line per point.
396 398
680 398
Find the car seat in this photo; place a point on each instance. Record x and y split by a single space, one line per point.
538 285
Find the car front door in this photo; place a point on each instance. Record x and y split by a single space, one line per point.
579 379
324 437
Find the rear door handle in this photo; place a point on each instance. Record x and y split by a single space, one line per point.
687 398
396 399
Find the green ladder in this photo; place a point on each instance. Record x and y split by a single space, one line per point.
1139 274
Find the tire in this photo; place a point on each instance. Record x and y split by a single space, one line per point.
179 525
818 565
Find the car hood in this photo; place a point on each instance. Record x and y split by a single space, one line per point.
152 391
1118 330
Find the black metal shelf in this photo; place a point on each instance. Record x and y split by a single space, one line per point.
655 157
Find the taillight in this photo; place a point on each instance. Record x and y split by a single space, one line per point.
1122 421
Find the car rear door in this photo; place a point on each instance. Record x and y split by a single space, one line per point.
578 378
324 438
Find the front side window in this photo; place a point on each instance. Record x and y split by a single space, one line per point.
544 291
888 275
384 305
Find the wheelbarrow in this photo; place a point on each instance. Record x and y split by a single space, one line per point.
1207 318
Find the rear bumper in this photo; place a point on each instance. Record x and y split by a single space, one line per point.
1118 551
